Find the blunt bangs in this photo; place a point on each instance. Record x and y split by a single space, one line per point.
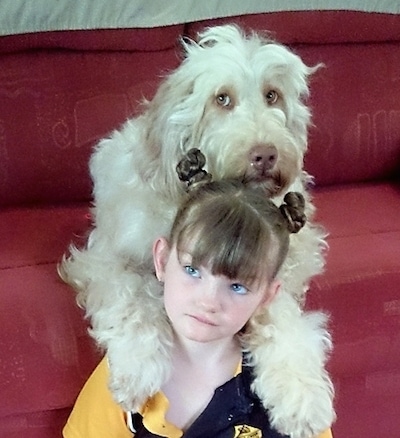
230 239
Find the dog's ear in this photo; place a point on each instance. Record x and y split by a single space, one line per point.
219 34
201 42
211 36
187 43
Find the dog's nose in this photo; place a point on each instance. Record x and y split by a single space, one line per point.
263 157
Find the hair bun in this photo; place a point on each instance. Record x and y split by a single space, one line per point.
190 168
293 211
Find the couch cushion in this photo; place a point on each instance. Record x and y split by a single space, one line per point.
46 352
360 290
39 236
360 286
44 424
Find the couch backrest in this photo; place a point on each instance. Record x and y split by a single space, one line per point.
62 91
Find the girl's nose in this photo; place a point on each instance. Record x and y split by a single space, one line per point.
209 299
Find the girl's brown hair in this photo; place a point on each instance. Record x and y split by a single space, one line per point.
235 230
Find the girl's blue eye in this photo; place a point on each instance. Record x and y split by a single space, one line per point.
239 289
193 272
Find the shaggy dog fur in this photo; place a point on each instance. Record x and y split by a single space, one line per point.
238 98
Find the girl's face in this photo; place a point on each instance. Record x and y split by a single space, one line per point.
201 306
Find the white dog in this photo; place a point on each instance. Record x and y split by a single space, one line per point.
238 99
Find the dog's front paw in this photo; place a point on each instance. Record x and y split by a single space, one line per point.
306 415
290 375
299 405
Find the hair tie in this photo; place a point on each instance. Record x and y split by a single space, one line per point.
190 168
293 211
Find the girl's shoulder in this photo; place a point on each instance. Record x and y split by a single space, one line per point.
95 413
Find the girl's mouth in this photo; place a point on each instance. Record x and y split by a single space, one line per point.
203 320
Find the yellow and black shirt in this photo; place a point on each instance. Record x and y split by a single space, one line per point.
233 412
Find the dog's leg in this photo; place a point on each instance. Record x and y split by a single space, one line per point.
289 354
305 259
128 321
138 339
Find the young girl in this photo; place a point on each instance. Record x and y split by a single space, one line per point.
219 269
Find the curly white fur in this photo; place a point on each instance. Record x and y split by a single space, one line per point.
236 98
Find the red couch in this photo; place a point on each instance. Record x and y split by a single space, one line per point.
61 91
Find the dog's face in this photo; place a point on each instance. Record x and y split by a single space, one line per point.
237 99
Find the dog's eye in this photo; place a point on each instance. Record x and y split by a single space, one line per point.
271 97
224 100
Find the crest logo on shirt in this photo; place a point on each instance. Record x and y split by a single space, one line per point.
245 431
